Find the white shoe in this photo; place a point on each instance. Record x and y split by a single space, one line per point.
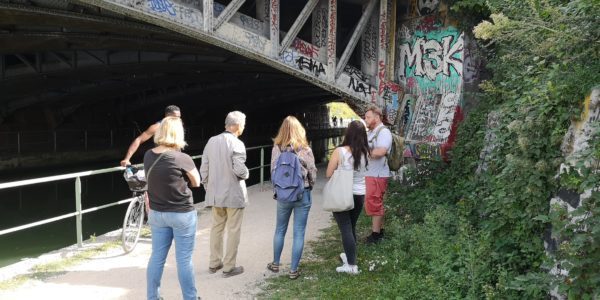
344 258
346 268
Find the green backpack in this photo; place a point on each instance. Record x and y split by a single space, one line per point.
395 157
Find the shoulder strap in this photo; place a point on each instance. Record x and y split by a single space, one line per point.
377 133
340 157
154 163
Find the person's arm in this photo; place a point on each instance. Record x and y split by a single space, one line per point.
378 152
383 143
146 135
239 161
333 163
194 177
186 163
204 165
274 156
311 167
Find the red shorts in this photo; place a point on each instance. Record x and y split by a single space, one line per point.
376 187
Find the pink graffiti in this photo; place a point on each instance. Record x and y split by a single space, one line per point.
382 31
274 14
383 83
305 48
332 29
445 148
411 83
428 24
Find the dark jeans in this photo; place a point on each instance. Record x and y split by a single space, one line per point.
346 221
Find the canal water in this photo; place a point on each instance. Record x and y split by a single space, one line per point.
19 206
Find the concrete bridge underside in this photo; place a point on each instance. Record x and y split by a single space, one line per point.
60 58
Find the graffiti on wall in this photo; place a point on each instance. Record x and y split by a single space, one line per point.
254 41
319 30
369 41
305 48
430 57
426 7
162 6
313 66
429 62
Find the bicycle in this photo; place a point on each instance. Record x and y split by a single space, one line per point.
134 217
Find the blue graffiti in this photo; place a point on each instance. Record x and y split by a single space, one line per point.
162 6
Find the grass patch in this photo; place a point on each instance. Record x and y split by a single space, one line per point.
381 275
47 270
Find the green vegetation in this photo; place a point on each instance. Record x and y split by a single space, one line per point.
47 270
340 109
454 233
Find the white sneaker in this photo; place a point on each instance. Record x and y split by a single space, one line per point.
346 268
344 258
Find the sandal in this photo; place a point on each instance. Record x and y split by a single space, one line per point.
294 274
273 267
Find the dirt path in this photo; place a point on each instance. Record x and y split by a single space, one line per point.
113 275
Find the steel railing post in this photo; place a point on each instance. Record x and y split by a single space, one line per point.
54 137
19 143
78 217
262 168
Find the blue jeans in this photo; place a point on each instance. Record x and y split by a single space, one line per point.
167 226
284 211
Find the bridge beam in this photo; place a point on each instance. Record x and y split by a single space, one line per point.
207 15
274 27
331 39
358 31
291 35
229 11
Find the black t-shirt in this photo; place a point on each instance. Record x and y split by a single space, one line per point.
167 186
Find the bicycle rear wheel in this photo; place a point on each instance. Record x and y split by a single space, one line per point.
132 224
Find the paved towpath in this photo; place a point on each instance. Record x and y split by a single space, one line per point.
113 275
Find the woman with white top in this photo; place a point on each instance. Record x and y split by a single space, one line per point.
353 154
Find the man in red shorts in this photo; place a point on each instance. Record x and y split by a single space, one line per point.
378 172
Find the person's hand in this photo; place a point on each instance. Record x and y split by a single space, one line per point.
125 163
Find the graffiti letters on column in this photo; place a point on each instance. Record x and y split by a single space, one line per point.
369 42
430 57
311 65
320 27
446 116
358 80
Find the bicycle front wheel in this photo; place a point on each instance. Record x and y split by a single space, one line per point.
132 225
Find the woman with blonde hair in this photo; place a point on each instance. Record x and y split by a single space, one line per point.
172 215
292 138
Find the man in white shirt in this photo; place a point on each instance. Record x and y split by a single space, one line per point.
378 172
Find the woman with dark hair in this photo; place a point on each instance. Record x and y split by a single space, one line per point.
351 155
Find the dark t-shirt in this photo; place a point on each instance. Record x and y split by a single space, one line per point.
167 186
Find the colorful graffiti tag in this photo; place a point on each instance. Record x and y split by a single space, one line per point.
429 62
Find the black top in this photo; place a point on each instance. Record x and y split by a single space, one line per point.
167 186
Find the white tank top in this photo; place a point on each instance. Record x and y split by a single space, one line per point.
358 185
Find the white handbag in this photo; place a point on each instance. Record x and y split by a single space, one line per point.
337 193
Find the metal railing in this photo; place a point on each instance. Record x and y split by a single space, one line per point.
34 142
78 214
